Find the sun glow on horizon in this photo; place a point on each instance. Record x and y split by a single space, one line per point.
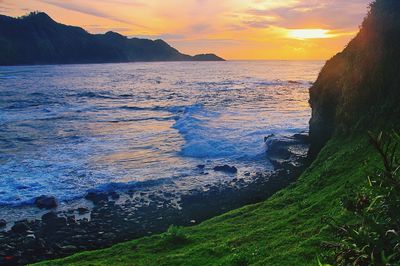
303 34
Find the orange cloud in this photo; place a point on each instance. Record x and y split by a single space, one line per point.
234 29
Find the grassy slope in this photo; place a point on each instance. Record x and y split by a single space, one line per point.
284 230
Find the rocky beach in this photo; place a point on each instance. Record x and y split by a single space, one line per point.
106 218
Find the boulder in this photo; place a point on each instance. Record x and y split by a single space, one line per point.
83 210
46 202
3 223
96 197
114 195
69 249
226 168
52 221
20 227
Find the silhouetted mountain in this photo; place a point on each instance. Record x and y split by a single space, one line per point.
359 88
207 57
38 39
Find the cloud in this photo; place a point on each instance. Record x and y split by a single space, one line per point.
101 28
199 28
87 10
167 36
171 36
262 24
324 13
5 7
126 2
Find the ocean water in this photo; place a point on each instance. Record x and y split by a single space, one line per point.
67 129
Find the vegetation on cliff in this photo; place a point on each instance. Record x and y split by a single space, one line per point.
372 236
38 39
359 88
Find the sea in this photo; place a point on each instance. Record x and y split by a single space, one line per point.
69 129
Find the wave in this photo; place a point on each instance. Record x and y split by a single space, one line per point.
91 94
249 81
201 139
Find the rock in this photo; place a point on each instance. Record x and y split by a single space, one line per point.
20 227
83 210
29 242
46 202
278 149
114 195
71 219
302 137
3 223
201 166
69 248
52 221
49 216
96 197
226 168
268 137
109 236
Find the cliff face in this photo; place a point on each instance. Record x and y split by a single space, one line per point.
359 88
37 39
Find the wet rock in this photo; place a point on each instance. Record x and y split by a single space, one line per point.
83 210
226 168
49 216
46 202
20 227
30 242
69 248
109 236
114 195
302 137
9 260
3 223
96 197
71 219
268 137
278 150
201 166
52 221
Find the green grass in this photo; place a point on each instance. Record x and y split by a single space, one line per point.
286 229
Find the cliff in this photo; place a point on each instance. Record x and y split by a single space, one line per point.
38 39
360 86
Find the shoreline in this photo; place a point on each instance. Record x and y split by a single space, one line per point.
122 216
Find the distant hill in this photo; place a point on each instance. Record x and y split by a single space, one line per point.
38 39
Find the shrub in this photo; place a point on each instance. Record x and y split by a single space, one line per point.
175 236
374 237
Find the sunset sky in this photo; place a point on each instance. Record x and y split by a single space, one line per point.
233 29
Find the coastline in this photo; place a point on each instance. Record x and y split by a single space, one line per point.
126 215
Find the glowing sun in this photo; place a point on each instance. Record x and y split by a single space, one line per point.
303 34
